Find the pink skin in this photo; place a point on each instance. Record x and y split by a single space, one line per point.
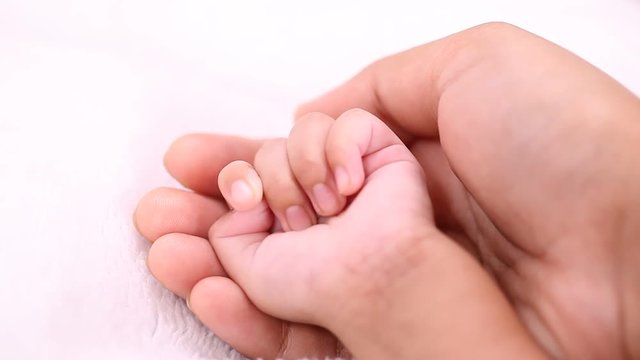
530 156
286 274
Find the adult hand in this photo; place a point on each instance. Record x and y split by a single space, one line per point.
530 156
378 274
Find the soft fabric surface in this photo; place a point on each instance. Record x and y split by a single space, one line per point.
92 92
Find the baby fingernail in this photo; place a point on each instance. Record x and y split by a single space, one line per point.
246 192
241 192
297 218
342 179
324 198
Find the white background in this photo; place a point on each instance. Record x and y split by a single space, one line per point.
92 92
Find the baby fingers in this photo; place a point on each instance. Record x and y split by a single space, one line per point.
282 192
306 152
357 145
240 185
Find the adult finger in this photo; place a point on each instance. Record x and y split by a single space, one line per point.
165 210
179 261
195 160
224 308
408 90
523 124
504 103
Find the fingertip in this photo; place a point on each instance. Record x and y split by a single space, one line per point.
195 160
348 182
342 179
224 308
347 168
240 185
174 148
177 160
179 261
165 210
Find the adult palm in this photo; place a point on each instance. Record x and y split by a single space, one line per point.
530 158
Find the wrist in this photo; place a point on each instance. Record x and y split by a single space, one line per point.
443 300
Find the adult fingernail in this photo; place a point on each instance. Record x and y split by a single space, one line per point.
342 179
297 218
324 198
189 304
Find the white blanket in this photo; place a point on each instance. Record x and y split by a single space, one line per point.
92 92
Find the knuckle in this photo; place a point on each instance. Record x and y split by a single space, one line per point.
357 115
272 144
281 200
308 164
279 185
492 36
306 149
280 190
310 173
487 43
356 112
270 148
497 26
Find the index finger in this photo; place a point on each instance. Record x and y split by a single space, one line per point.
195 160
410 90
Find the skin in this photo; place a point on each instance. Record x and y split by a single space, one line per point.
530 159
402 274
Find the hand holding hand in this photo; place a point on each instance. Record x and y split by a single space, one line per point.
379 264
530 157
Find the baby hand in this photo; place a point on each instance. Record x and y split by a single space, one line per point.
375 256
292 274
